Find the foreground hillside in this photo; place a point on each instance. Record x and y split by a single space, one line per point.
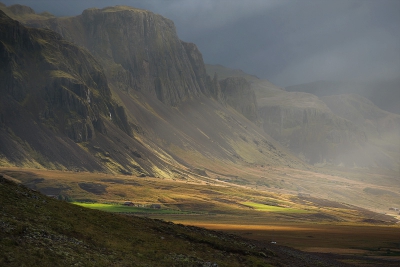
41 231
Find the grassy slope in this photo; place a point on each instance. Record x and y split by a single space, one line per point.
126 209
41 231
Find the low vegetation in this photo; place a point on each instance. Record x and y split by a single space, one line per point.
269 208
303 222
127 209
40 231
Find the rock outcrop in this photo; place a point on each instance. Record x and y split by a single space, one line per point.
139 51
238 93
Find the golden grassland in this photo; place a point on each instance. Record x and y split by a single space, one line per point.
251 210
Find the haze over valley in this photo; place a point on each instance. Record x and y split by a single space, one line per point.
108 108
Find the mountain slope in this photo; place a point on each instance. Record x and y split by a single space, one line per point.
165 118
56 108
346 130
37 85
384 94
381 127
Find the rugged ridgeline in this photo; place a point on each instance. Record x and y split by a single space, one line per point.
167 117
139 50
340 130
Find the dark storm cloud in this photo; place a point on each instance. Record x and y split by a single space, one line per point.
287 42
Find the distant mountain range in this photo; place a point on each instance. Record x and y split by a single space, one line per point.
384 94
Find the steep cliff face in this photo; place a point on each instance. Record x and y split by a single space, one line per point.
58 78
239 94
51 87
139 50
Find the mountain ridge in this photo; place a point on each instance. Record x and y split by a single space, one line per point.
158 133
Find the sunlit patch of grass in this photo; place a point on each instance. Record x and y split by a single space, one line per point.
269 208
126 209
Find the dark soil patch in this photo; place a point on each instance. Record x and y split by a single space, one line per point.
210 192
325 203
374 221
134 183
93 188
114 181
53 190
322 216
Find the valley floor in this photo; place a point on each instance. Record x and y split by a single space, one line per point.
271 215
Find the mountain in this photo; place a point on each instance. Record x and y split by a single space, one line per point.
139 50
384 94
136 100
382 128
338 130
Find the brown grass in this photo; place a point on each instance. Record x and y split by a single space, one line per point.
217 205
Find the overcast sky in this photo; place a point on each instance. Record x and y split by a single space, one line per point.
287 42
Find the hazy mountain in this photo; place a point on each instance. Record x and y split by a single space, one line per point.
131 98
341 130
384 94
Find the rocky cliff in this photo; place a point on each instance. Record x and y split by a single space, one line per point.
139 51
239 94
53 76
56 106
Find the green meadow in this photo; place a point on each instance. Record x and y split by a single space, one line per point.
126 209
